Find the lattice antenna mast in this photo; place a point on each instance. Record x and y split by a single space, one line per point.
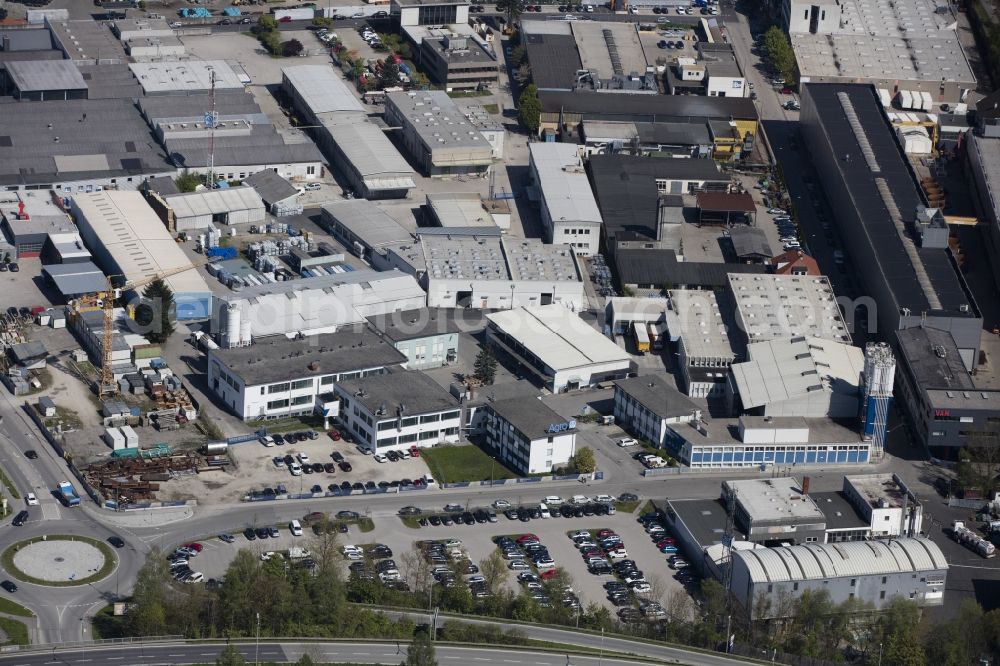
211 120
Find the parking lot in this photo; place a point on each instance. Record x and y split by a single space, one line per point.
478 541
255 470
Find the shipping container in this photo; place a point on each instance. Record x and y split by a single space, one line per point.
641 336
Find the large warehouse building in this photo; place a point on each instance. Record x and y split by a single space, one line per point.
311 306
359 149
898 248
868 571
127 238
569 211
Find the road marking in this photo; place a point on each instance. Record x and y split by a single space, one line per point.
114 658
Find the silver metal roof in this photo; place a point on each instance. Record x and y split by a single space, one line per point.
367 221
210 202
38 75
841 560
172 77
563 183
322 89
439 123
783 306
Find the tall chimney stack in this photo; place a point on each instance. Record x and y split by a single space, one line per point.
805 485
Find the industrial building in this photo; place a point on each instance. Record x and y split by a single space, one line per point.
948 407
280 197
78 145
466 210
787 306
184 77
528 436
688 137
244 139
799 376
885 502
430 12
64 248
282 376
569 211
650 271
774 512
872 572
128 239
44 80
637 197
310 306
367 231
427 336
86 42
557 346
732 121
75 279
27 218
983 163
439 138
397 411
646 405
760 441
198 211
898 247
700 325
469 268
359 149
588 55
623 313
896 45
750 245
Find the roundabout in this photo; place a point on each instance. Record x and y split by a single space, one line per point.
59 560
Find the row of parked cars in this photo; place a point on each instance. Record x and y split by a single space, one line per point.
180 567
599 548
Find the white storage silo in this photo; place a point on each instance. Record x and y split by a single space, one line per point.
245 332
232 331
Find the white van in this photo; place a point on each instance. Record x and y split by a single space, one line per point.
544 510
295 528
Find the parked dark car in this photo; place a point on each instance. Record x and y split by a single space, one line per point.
250 534
345 466
337 457
116 541
9 586
20 519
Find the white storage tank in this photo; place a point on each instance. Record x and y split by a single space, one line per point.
232 331
131 439
245 332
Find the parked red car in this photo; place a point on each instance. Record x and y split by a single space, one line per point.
414 451
549 574
196 547
335 435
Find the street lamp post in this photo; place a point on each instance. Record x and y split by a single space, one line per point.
879 654
600 656
256 650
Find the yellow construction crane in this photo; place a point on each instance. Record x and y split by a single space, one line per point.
105 300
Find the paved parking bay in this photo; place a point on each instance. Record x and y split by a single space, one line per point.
477 542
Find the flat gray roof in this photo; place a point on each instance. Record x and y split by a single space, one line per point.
367 221
97 138
87 40
494 258
42 75
421 323
157 78
563 183
409 391
81 277
705 519
438 122
840 513
782 306
659 395
780 498
529 415
278 359
460 209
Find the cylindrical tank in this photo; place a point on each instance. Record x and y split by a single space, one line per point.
232 331
245 332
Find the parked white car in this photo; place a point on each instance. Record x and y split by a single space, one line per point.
625 442
31 499
580 499
552 500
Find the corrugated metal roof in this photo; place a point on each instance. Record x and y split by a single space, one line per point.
37 75
322 89
135 238
841 560
210 202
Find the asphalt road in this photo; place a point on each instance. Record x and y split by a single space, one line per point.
366 653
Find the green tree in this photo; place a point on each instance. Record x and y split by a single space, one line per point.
157 311
390 73
188 182
271 41
230 657
485 366
266 23
780 53
305 660
291 48
512 9
357 68
147 616
421 651
529 109
898 632
584 461
494 569
518 55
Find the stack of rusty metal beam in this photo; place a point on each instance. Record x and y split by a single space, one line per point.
139 478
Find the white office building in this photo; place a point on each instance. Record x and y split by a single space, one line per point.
399 410
528 436
569 211
645 407
285 377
